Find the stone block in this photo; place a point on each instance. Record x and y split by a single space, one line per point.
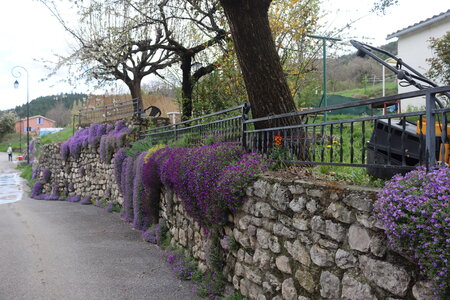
330 285
359 201
359 238
393 278
335 230
274 245
315 193
288 289
261 188
262 259
306 280
263 237
281 230
296 189
352 289
300 223
312 206
298 204
263 209
318 224
298 252
280 197
321 257
378 245
340 213
345 260
283 264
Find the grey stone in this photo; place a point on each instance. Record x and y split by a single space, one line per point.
423 290
335 230
274 245
280 197
238 269
249 206
317 224
283 264
358 238
328 244
273 280
315 193
261 188
303 298
365 219
296 189
298 204
345 260
263 209
386 275
312 206
253 276
263 238
378 245
243 222
352 289
359 201
300 224
306 280
321 257
330 285
298 252
281 230
261 259
340 213
288 289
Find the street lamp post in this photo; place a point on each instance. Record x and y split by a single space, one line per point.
16 72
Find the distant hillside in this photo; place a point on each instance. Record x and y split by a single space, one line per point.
42 105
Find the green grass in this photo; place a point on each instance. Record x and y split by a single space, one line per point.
372 91
26 172
14 140
57 137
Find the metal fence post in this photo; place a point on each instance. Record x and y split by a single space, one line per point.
430 137
245 111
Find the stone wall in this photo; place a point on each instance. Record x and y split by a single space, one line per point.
304 240
88 175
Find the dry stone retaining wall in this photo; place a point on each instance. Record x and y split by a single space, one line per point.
299 240
87 174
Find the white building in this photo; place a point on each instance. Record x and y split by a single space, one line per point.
414 48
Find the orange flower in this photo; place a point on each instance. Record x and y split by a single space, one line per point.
278 140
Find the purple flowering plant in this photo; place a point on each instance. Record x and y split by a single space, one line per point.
415 211
183 267
211 180
46 174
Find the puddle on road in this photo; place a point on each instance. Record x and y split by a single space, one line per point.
10 188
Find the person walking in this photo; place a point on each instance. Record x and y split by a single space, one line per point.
9 151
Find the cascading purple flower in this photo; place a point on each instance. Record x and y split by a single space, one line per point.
415 211
140 219
126 189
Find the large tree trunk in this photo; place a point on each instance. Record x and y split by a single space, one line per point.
186 87
136 93
267 88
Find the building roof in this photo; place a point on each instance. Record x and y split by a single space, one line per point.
421 24
37 116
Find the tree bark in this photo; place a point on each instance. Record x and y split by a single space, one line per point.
136 93
267 88
186 87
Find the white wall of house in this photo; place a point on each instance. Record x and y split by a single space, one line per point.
414 49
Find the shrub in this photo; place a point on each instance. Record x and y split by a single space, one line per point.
73 198
210 180
37 189
126 189
140 217
46 174
414 208
183 267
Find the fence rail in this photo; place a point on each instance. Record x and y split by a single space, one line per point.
384 144
109 112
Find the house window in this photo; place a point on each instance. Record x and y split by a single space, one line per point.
40 121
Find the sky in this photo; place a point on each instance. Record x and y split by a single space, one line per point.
29 34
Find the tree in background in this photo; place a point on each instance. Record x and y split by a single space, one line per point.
7 122
60 114
109 45
440 63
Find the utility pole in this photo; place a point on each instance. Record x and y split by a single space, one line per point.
324 50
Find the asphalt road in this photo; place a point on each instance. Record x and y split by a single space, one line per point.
61 250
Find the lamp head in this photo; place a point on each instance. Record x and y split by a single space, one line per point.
16 84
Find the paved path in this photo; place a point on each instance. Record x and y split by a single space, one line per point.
61 250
